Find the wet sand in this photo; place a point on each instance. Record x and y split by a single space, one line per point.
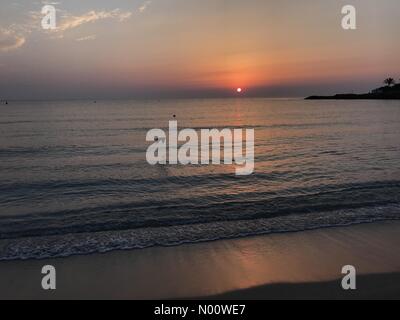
303 265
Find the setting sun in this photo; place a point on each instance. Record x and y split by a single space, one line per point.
239 90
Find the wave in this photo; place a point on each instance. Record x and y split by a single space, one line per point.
58 246
152 212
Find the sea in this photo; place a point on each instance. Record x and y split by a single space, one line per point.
74 179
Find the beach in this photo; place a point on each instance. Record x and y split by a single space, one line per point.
166 150
298 265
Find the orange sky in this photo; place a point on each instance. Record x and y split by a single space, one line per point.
134 47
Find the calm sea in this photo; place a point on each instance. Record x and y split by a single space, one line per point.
74 176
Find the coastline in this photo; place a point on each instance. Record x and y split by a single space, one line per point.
353 97
302 264
390 92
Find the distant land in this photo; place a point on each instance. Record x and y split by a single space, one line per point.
389 92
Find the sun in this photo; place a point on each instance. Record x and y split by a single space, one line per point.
239 90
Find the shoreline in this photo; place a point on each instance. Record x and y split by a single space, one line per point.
216 268
84 244
205 241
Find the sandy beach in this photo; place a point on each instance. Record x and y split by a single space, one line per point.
293 265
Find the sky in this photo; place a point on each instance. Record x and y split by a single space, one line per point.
195 48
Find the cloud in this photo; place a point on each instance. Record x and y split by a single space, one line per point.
72 22
14 36
144 6
52 3
10 40
87 38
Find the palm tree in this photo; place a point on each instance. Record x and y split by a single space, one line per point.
389 82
